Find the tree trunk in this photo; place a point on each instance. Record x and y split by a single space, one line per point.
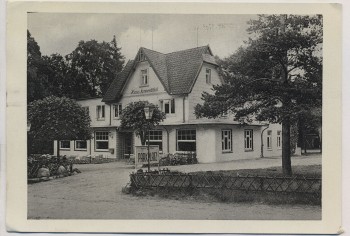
143 138
286 160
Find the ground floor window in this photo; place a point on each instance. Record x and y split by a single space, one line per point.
226 139
186 140
248 139
80 145
279 139
156 138
101 140
269 139
65 144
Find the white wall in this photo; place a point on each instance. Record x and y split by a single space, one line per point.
92 104
134 84
91 146
201 86
274 151
238 150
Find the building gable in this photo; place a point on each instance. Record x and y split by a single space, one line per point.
176 71
142 80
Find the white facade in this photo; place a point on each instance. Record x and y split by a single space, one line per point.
213 140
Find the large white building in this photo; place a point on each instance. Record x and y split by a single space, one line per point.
175 82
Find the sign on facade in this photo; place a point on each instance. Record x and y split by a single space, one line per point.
141 153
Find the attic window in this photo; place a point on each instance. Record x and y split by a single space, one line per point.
144 77
208 75
141 56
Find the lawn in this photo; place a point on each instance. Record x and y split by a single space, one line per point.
307 171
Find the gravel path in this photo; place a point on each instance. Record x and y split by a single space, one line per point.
96 194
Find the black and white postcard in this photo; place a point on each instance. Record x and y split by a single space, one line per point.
174 117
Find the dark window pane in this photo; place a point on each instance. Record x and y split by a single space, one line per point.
101 145
187 146
172 105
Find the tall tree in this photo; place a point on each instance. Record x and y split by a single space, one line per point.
37 82
54 118
133 117
276 76
94 65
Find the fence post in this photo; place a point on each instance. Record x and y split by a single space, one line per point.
261 183
190 184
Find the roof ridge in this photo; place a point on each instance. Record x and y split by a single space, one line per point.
153 50
186 49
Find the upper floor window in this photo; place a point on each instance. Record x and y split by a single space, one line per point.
168 106
208 75
86 109
100 112
269 139
279 139
226 139
117 110
144 77
248 139
65 144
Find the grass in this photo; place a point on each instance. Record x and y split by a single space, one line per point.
307 171
238 196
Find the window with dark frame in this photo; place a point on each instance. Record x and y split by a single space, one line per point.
86 109
168 106
100 110
144 77
248 139
156 138
101 141
269 139
117 110
141 56
279 139
65 144
80 145
186 140
208 75
226 139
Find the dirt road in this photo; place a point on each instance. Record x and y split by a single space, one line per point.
96 194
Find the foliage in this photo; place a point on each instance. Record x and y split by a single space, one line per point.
86 72
55 118
133 117
37 81
276 76
94 65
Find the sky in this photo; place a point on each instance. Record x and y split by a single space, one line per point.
61 32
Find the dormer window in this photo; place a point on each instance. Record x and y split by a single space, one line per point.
208 75
144 77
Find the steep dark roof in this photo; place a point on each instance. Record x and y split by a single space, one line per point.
177 71
114 91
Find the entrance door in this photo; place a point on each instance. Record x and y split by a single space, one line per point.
128 145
